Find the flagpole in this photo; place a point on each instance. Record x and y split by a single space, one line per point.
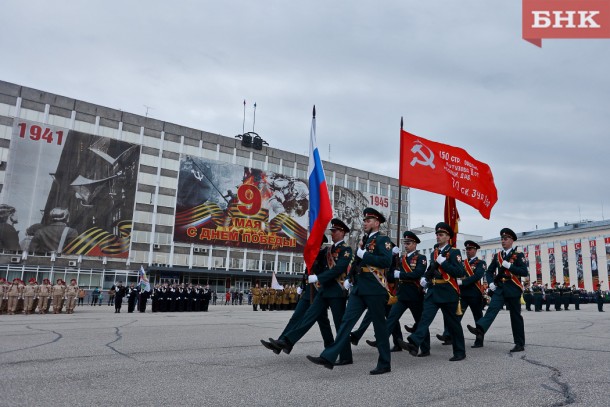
311 286
399 186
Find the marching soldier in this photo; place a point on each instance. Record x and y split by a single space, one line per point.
471 289
506 285
71 293
443 293
304 304
409 271
537 295
527 296
370 291
331 293
30 291
58 292
14 293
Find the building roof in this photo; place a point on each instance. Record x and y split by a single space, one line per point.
568 228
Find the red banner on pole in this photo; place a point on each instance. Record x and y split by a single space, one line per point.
446 170
452 217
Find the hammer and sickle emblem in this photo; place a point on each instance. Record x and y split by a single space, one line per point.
197 174
427 160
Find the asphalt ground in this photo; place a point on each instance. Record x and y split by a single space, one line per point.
95 357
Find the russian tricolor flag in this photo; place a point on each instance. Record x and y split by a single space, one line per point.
320 210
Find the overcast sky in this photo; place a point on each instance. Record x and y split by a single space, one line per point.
458 72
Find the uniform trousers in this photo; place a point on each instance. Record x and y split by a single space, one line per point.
356 306
516 319
317 310
323 322
451 320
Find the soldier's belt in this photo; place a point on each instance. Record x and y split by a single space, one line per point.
407 282
439 281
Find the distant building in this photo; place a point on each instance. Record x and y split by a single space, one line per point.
575 253
186 204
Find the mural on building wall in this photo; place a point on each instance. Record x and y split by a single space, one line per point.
579 269
527 262
538 263
552 269
70 192
565 264
348 206
226 204
607 244
594 268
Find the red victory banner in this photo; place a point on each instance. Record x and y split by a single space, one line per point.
446 170
565 19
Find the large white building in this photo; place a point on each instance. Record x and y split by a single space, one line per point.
575 253
186 204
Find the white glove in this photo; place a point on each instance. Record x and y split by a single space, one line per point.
396 273
423 282
299 290
459 282
347 285
440 259
396 250
492 287
360 253
506 264
312 279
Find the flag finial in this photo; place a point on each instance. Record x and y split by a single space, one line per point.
314 111
401 122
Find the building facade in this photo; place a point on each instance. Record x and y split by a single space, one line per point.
576 253
130 191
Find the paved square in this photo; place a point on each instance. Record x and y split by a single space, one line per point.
96 357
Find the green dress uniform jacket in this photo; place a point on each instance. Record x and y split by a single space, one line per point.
367 293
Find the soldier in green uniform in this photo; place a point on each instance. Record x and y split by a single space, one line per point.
369 291
331 293
527 295
442 293
471 289
506 285
537 294
410 269
303 305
